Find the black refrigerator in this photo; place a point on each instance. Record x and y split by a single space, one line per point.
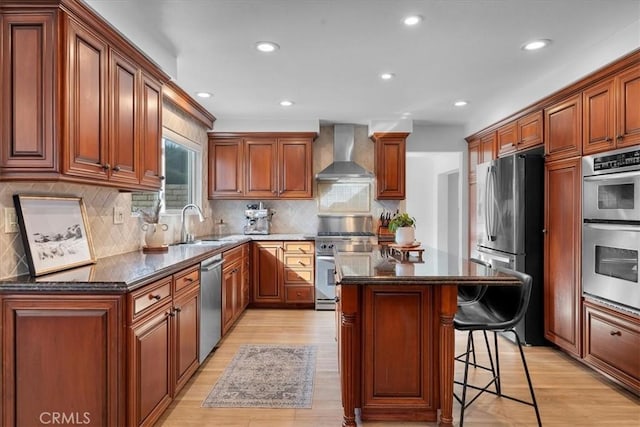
510 221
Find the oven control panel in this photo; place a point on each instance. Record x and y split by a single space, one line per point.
617 161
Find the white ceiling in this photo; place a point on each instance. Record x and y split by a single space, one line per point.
332 52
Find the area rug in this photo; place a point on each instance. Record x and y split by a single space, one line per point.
266 376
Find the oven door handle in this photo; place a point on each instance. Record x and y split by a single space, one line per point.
628 174
325 258
613 227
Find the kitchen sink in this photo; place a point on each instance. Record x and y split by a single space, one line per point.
204 243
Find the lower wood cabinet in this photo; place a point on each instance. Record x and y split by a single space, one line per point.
62 355
612 343
283 274
235 285
163 343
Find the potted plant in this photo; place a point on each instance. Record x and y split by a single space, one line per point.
403 226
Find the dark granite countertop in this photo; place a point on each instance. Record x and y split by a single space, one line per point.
379 266
127 272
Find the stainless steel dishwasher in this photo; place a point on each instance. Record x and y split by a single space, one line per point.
210 304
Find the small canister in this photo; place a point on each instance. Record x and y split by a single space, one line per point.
220 229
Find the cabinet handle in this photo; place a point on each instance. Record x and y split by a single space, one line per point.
161 177
188 279
301 263
170 313
337 299
238 191
116 168
155 297
106 166
617 333
274 192
620 137
544 231
177 309
608 139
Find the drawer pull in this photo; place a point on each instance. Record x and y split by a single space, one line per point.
177 309
155 297
617 333
188 279
301 263
170 313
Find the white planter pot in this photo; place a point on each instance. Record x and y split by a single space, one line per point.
405 235
154 235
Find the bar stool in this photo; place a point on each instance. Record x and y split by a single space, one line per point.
499 310
470 294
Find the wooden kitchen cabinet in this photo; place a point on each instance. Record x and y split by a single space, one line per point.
611 113
480 149
260 166
562 254
521 134
283 274
163 343
100 126
563 129
246 276
612 343
63 354
232 287
389 165
226 168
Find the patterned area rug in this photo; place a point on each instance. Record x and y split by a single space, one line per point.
266 376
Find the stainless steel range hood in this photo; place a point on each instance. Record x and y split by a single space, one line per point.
343 166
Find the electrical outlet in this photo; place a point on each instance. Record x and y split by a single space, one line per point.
118 215
10 221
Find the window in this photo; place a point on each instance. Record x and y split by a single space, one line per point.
182 169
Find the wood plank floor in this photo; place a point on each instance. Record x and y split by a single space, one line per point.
568 393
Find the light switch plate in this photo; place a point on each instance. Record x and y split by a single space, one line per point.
118 215
10 221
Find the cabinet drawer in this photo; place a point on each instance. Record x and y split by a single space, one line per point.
298 261
186 278
299 293
147 298
613 344
291 248
298 276
232 255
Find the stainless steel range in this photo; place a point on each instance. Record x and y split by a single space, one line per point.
350 233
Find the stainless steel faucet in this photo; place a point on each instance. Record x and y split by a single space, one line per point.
185 236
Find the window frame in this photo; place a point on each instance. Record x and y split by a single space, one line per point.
196 175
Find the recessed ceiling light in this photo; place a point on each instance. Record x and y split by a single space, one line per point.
203 95
412 20
460 103
387 76
267 46
286 103
536 44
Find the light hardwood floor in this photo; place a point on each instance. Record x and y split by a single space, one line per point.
568 393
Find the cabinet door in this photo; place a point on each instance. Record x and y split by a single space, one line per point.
507 138
473 159
123 135
628 88
598 120
150 133
260 167
62 354
246 276
149 368
226 172
28 81
487 147
295 175
186 339
86 153
530 131
231 282
562 129
267 272
390 153
562 290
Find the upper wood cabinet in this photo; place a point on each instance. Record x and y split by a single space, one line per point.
389 165
611 113
260 165
79 105
562 129
521 134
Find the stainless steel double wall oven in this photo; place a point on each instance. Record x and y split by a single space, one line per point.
611 226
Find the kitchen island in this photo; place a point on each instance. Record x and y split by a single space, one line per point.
395 332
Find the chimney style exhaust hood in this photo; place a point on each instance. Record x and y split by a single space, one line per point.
343 166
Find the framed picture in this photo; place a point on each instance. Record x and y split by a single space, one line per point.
55 232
